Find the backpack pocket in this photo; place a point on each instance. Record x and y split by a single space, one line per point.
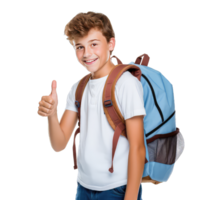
165 148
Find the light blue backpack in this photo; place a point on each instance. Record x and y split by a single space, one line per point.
163 141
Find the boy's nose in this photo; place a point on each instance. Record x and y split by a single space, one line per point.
87 53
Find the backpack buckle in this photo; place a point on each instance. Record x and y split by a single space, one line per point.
108 104
77 104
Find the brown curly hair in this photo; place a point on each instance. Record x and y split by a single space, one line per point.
80 25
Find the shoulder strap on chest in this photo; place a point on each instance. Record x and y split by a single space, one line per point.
79 91
78 97
110 106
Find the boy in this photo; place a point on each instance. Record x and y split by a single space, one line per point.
93 39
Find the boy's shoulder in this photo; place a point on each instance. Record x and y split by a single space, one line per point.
126 80
75 85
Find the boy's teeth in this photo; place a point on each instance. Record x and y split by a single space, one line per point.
91 60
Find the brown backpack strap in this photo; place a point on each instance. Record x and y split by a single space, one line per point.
145 60
117 59
78 97
110 106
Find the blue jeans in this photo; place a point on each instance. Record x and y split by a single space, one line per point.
117 193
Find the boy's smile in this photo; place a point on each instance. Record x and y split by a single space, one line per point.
93 52
89 62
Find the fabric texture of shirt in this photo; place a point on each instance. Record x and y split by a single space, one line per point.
96 135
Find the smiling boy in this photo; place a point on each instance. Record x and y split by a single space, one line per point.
95 47
93 40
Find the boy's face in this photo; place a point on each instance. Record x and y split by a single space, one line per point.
98 50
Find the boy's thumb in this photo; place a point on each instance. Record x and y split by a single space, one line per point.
53 88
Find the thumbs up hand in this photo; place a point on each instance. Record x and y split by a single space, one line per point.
48 104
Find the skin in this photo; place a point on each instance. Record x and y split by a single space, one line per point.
88 50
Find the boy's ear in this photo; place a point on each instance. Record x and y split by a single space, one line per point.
112 44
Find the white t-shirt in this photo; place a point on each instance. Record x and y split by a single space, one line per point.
94 156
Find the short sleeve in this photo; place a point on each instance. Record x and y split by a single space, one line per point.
70 103
129 96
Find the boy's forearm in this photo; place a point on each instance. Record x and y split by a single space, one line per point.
136 162
57 138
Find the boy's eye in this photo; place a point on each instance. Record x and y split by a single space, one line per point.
79 47
82 46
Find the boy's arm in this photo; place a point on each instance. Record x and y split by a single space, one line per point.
137 153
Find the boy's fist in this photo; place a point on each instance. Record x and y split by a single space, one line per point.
48 104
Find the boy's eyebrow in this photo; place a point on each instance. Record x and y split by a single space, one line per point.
88 41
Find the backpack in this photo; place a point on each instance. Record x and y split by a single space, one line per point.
164 142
